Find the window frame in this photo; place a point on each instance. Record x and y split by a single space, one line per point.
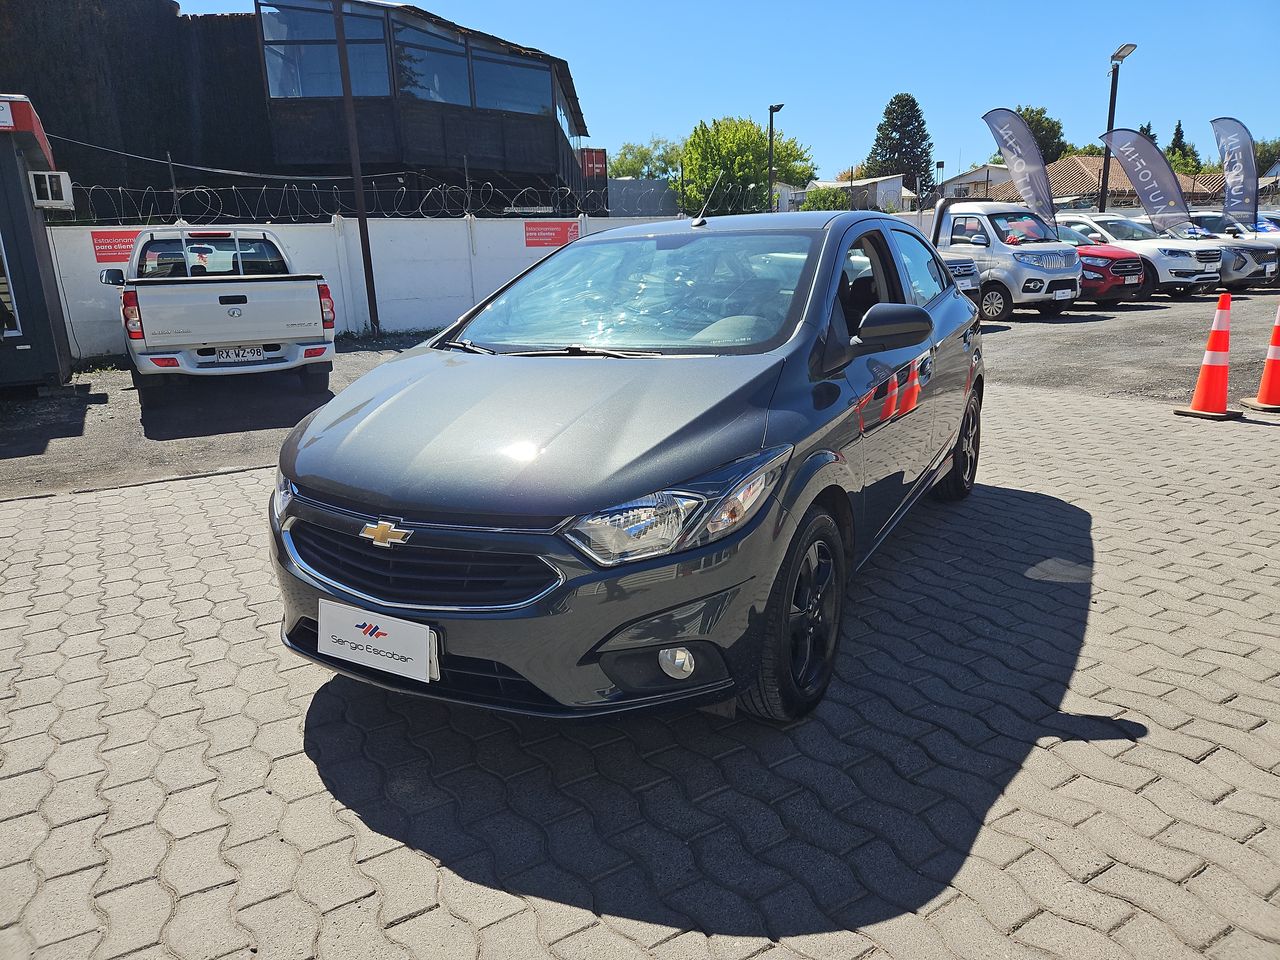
947 280
313 6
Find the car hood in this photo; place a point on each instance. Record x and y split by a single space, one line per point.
464 435
1168 243
1104 250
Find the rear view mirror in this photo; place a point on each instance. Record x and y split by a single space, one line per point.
980 240
112 276
889 326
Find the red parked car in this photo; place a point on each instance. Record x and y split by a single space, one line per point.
1107 274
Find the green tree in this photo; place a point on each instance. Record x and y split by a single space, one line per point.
825 198
1267 153
902 145
1147 130
1183 156
1046 130
657 159
736 150
851 173
1084 150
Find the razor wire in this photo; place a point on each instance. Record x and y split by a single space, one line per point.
386 196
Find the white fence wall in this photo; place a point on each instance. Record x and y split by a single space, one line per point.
427 272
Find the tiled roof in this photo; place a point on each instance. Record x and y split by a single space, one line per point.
1078 175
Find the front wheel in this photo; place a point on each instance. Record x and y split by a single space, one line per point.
315 378
959 480
1148 284
801 628
1181 293
995 304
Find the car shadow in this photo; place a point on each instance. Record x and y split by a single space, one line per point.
29 421
205 406
961 639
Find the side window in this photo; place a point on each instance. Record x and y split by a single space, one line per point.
964 229
864 278
926 275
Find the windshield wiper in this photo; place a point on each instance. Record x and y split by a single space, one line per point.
578 350
465 345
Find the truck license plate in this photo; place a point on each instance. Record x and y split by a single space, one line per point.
1063 294
239 354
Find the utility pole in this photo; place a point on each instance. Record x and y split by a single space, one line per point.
1116 59
773 108
173 182
353 147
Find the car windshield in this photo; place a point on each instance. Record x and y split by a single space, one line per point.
690 292
1073 237
1022 227
1128 230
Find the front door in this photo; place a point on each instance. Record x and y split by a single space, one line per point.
955 328
892 388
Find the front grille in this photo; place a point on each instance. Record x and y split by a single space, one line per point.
461 678
1209 256
421 574
1263 256
962 268
1057 261
1126 268
1060 285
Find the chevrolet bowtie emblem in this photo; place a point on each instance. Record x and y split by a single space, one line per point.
384 533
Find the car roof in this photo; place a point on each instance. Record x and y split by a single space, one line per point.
987 206
800 220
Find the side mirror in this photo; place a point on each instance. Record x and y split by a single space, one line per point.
980 240
1095 237
889 326
113 276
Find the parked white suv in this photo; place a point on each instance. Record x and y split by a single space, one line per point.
1175 267
207 302
1020 258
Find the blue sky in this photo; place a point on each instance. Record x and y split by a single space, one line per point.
658 68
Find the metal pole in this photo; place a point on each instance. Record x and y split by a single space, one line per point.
173 180
771 159
353 147
1106 149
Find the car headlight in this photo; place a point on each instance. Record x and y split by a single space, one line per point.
283 494
1030 259
1176 254
695 514
1095 261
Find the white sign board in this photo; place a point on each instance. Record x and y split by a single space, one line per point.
6 115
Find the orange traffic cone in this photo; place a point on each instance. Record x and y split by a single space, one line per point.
911 392
1210 400
1268 398
890 401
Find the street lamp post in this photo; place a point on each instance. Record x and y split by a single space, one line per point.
773 108
1116 59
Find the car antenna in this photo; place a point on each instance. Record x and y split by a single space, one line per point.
700 220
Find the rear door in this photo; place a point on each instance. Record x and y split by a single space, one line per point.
949 363
218 289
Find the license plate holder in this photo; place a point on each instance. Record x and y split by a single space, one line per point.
386 644
1132 279
1063 294
239 354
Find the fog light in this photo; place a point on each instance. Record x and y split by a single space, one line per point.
676 662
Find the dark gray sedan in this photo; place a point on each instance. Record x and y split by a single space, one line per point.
639 473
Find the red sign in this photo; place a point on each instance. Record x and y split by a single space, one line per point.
549 233
113 246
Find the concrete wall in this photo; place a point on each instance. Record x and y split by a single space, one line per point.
427 272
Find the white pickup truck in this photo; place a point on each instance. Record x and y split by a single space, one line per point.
208 302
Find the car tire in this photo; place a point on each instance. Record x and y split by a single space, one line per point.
315 378
959 480
1148 285
1053 309
801 626
145 384
1236 287
1181 293
996 304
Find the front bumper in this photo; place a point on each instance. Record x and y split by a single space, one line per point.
1032 285
589 645
1108 287
191 362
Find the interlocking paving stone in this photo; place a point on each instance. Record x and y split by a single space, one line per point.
1055 730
